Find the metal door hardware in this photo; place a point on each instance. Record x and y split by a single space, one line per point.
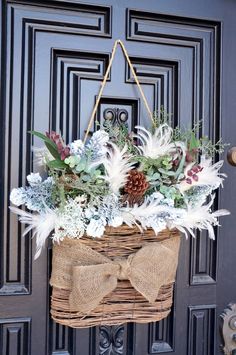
228 329
231 156
116 115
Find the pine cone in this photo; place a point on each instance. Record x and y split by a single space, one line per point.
135 187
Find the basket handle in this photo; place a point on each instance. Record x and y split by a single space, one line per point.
118 41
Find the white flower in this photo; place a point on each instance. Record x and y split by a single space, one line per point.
204 174
97 146
160 198
169 202
90 212
77 147
157 224
159 143
17 196
81 200
116 221
70 222
96 227
101 137
34 179
157 196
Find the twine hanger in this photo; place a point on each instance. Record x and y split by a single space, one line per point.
118 41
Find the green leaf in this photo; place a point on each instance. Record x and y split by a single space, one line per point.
57 164
150 172
98 172
153 177
180 167
44 138
86 178
154 183
51 146
194 142
81 165
53 151
168 173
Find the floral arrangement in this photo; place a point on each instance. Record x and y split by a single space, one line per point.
158 178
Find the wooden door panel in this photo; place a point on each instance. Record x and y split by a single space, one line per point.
54 55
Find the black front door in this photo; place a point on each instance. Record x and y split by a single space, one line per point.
54 55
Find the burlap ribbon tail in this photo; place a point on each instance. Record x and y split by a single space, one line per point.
90 276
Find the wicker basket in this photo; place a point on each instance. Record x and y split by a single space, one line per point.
124 304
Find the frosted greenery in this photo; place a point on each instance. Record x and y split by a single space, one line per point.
87 190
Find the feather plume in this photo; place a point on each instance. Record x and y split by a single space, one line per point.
40 224
159 143
41 156
117 165
147 213
199 217
207 176
148 208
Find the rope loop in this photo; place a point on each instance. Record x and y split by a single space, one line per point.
103 83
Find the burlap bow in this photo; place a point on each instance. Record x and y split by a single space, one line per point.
91 276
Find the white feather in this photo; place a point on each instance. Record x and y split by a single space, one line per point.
117 165
41 156
40 224
209 176
148 208
159 143
147 212
199 217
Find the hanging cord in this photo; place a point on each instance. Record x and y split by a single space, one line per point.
118 41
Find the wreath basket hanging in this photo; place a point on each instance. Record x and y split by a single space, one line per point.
116 204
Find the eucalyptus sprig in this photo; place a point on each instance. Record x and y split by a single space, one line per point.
203 144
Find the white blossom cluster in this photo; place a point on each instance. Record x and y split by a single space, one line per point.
70 221
97 144
37 196
75 219
94 149
77 147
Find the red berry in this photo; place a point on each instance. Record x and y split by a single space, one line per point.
195 169
195 177
190 173
189 181
188 157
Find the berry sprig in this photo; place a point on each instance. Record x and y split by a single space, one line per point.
192 174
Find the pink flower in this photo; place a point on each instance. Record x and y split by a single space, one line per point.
62 149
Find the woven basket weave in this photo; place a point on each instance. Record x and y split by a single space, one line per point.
124 304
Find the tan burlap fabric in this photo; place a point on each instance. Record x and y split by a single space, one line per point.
90 276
